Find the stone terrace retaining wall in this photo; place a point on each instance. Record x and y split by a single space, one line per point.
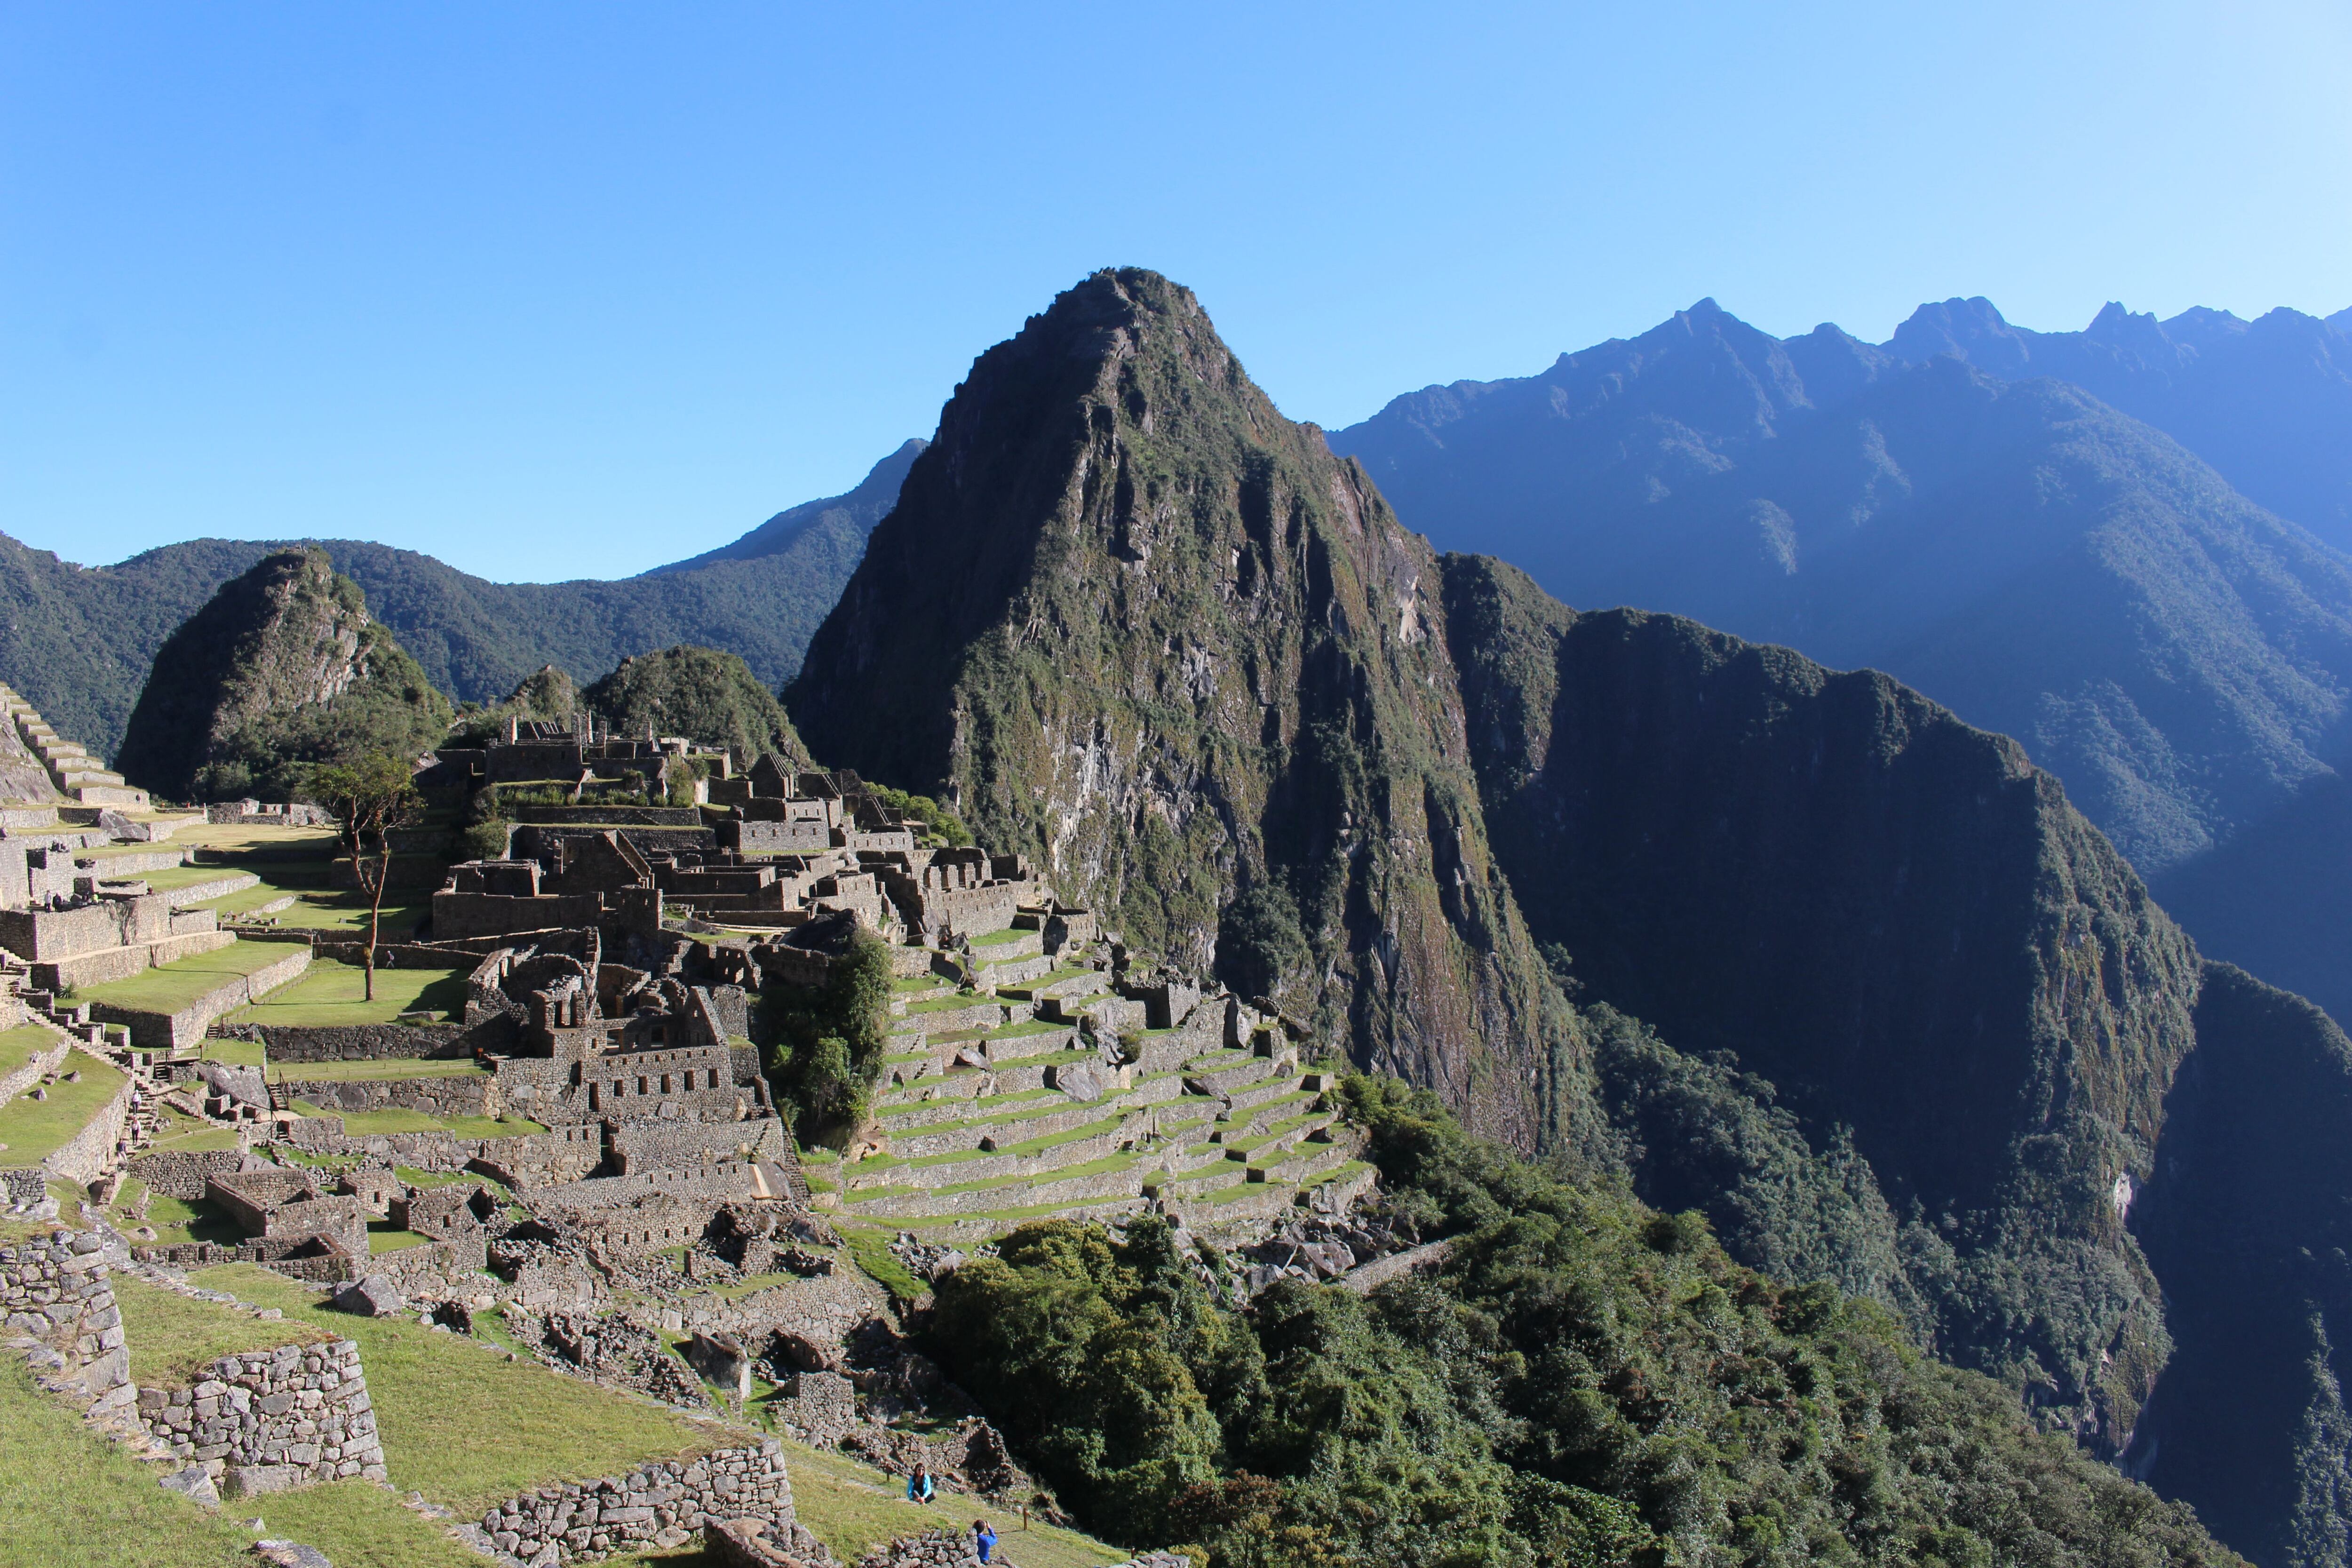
182 1173
172 1031
476 1094
43 1064
658 1505
59 1291
273 1420
84 1157
293 1043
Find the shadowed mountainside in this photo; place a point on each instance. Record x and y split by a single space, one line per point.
2017 549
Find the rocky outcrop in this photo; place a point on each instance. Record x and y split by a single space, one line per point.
283 668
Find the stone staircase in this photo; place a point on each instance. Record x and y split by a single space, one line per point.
79 776
1019 1085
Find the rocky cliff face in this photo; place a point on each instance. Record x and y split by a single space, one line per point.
2248 1227
1130 619
1892 917
282 668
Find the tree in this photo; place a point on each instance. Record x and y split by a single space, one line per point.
369 797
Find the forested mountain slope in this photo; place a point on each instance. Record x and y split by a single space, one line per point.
2018 550
77 641
282 668
1847 973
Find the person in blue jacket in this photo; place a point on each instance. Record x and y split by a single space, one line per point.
984 1540
919 1486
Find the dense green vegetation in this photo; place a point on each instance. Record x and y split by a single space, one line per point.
825 1043
701 694
1585 1381
283 670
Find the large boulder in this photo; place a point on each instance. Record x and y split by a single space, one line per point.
373 1297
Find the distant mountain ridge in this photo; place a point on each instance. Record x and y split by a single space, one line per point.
2018 548
78 641
843 522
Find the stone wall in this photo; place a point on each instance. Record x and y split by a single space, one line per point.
42 1064
59 1291
659 1146
291 1044
273 1420
547 1159
186 1028
320 1264
84 1157
180 1173
465 1094
660 1505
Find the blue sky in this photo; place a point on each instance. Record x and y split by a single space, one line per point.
556 291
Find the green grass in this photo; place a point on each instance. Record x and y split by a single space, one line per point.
360 1123
853 1507
191 1219
999 938
172 1337
518 1426
385 1236
171 877
236 1053
177 1130
318 903
23 1042
358 1524
332 992
74 1500
33 1129
377 1069
948 1004
871 1249
169 987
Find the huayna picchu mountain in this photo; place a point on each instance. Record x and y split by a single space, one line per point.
284 668
1797 948
1129 618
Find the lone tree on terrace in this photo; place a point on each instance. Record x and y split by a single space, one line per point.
370 797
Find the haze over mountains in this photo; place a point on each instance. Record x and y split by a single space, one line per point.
1970 508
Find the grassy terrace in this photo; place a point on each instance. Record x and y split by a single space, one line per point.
332 992
173 878
999 939
23 1042
376 1070
1029 990
169 987
1104 1165
360 1123
949 1004
172 1337
1029 1149
32 1130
